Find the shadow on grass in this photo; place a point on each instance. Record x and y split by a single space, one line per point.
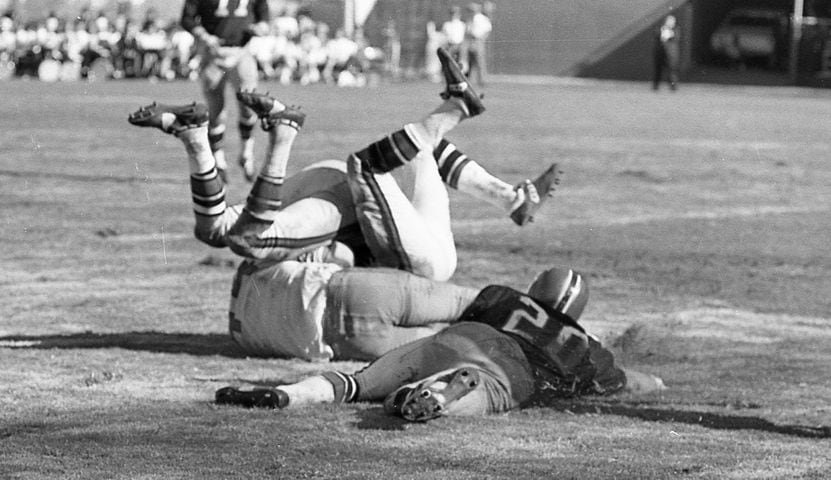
160 342
716 421
377 419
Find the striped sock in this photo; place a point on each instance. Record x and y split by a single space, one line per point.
450 161
346 388
465 175
208 193
265 199
390 152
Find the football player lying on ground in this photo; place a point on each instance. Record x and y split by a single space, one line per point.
508 350
298 232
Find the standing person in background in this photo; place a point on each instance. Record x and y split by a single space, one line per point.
392 50
478 29
432 65
453 31
222 29
666 54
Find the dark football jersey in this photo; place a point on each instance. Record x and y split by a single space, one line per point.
230 20
566 359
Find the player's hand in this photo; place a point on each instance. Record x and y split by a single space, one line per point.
211 42
260 29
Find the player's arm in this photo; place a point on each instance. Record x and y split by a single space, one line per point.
191 22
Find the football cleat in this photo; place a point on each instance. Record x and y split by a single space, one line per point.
457 85
256 397
536 193
263 104
170 118
432 400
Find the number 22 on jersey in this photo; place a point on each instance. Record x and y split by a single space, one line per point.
536 326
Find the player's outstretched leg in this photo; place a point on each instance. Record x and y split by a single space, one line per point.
282 123
327 387
264 202
189 123
534 194
464 174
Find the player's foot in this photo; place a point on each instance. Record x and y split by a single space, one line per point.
172 119
535 194
435 397
457 86
257 397
270 111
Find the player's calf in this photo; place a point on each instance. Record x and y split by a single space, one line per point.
172 119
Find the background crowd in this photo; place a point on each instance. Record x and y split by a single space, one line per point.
96 45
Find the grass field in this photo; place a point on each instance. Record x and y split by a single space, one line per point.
701 218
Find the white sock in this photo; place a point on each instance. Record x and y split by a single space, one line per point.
200 157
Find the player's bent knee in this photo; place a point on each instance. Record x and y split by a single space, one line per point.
244 246
438 268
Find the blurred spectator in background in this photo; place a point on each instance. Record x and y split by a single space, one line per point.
313 52
666 54
94 46
182 52
152 42
341 51
7 46
432 65
285 20
453 30
28 53
263 47
49 41
478 29
392 50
